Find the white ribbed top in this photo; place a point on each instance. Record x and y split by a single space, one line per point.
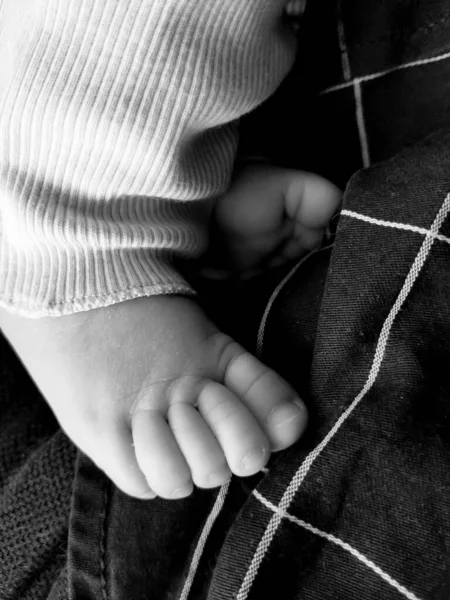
113 115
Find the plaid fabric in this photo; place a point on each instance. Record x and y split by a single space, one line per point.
360 507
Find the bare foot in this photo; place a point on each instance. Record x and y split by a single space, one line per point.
269 216
156 395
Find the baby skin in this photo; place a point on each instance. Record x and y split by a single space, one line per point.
150 389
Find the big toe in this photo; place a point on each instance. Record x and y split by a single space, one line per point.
273 402
285 423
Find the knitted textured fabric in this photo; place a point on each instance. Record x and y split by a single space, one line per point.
127 118
36 472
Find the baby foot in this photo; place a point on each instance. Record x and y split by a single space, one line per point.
269 216
157 396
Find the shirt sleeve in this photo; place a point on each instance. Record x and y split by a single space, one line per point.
118 126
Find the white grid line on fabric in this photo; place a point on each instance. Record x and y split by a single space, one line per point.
378 74
361 123
343 47
218 505
380 350
338 542
345 59
394 225
273 297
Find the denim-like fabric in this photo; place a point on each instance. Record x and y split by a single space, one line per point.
381 486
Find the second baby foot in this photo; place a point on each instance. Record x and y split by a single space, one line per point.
157 396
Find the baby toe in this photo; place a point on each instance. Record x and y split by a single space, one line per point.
159 456
307 238
244 444
111 448
199 446
273 402
311 199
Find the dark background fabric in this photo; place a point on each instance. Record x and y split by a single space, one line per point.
382 484
37 464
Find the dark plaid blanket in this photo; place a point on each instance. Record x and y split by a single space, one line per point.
360 507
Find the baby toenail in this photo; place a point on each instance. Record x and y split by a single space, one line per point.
183 491
218 477
287 412
299 403
254 459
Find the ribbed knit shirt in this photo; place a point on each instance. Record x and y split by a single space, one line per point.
118 128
